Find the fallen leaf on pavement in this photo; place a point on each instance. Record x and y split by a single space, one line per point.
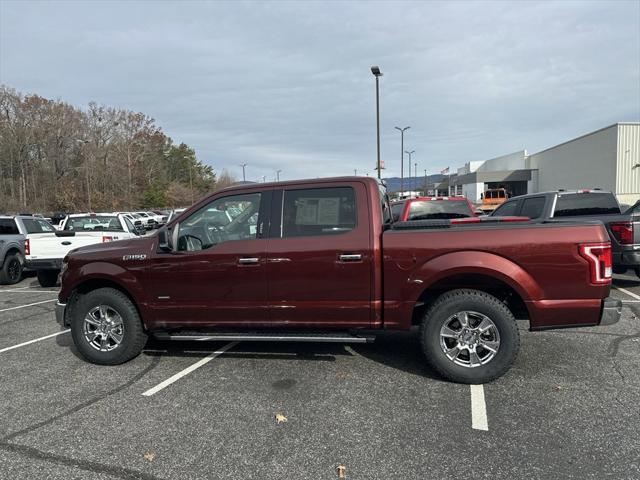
149 456
557 387
280 418
342 471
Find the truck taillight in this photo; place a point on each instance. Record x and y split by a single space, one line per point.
599 257
27 247
623 231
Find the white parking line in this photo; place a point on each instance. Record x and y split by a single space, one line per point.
28 305
631 294
22 289
478 408
188 370
33 341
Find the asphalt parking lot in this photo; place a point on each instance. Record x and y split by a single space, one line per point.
569 408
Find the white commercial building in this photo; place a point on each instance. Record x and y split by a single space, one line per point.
608 159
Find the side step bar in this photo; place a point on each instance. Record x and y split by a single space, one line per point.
267 337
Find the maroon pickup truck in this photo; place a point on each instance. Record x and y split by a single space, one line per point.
322 260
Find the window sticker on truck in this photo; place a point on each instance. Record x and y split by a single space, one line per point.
134 257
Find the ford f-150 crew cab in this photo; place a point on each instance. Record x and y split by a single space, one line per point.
322 260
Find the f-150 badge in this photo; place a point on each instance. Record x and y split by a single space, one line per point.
134 257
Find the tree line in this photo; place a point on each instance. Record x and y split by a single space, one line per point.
57 157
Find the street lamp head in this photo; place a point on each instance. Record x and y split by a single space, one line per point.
376 71
409 152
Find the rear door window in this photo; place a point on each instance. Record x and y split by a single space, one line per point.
8 227
396 211
532 207
576 204
318 211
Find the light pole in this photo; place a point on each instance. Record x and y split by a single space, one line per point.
264 178
355 172
402 158
409 153
415 173
425 182
244 177
377 73
278 175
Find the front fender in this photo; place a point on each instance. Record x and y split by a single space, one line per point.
107 272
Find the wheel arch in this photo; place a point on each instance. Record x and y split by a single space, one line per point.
483 271
96 283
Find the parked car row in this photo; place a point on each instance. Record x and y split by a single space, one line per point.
34 242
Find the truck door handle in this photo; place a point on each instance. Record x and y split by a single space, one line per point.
66 243
248 261
351 257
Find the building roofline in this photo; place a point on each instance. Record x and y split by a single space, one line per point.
586 135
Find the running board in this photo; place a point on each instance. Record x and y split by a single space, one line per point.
266 337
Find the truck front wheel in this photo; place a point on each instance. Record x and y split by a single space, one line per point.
469 336
106 327
47 278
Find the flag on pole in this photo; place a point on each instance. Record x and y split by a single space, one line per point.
445 171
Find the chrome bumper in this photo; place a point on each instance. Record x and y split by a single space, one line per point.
611 311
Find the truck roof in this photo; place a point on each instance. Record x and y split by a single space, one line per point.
307 181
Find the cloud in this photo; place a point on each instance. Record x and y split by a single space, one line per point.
286 85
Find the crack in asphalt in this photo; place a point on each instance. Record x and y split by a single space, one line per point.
614 346
95 467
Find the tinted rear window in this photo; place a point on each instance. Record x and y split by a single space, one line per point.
33 225
428 209
94 224
576 204
8 227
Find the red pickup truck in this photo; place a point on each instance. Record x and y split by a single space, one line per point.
322 260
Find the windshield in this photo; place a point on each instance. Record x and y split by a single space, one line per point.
94 224
430 209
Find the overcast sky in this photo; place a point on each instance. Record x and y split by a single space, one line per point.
287 85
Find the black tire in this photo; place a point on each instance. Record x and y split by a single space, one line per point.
133 335
443 310
11 271
48 278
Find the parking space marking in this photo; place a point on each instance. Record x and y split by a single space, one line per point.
188 370
478 408
631 294
33 341
28 305
22 289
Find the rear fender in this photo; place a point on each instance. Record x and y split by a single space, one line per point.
467 263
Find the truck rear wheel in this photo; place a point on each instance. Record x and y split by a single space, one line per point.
106 327
469 336
47 278
11 271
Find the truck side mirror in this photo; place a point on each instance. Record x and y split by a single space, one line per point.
163 240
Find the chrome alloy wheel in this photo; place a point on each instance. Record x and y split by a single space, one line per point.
469 339
103 328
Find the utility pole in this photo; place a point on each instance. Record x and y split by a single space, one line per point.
355 172
244 177
402 158
278 175
377 73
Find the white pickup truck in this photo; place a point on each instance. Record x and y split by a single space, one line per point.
44 251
